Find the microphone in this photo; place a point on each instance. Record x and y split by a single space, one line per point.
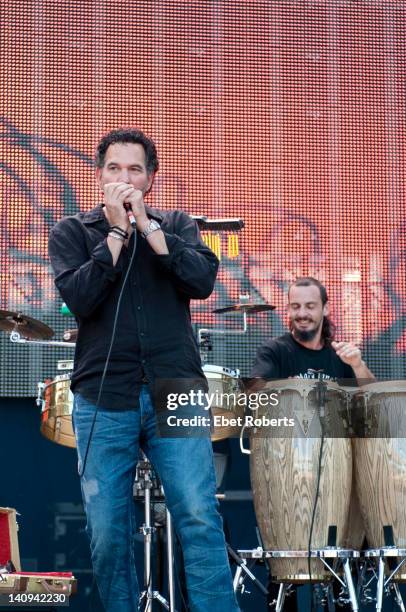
321 388
130 215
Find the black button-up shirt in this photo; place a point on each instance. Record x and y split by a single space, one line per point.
154 336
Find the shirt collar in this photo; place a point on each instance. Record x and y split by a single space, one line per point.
97 214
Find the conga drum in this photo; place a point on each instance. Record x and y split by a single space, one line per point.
284 472
380 462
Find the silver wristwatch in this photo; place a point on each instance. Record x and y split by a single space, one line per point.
152 227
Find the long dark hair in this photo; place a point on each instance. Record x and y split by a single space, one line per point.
328 329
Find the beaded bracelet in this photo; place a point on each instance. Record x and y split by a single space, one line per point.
116 236
119 230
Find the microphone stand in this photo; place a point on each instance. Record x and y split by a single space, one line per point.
146 483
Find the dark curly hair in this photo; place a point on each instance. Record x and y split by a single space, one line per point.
328 329
124 136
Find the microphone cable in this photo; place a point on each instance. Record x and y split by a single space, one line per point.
113 334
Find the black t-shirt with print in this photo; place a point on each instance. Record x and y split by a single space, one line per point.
283 357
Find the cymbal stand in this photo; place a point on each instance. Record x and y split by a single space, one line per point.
203 332
205 345
145 483
16 338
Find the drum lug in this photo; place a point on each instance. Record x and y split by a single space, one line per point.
39 399
245 451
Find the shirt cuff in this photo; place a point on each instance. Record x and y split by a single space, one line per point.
175 244
103 257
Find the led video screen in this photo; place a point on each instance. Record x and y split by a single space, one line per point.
288 115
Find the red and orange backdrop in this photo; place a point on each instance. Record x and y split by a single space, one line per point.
289 115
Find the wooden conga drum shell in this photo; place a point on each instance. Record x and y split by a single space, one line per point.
381 486
284 478
355 528
380 464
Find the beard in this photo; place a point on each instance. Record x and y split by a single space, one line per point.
305 335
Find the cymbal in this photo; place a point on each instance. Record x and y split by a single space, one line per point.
24 325
248 308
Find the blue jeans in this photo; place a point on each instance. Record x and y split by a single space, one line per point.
185 466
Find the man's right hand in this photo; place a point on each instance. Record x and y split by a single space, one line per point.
115 194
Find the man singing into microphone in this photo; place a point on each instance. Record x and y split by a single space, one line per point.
90 253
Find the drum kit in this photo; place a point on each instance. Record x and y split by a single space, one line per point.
333 480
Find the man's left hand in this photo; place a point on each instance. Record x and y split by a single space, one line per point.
348 353
136 201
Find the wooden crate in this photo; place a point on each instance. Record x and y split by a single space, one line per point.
9 550
26 582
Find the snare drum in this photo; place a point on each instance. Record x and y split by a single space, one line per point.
226 387
380 462
57 405
284 473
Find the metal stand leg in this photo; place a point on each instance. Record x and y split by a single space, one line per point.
242 564
145 482
169 541
281 598
395 557
332 559
331 606
350 585
398 597
379 590
147 549
237 577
